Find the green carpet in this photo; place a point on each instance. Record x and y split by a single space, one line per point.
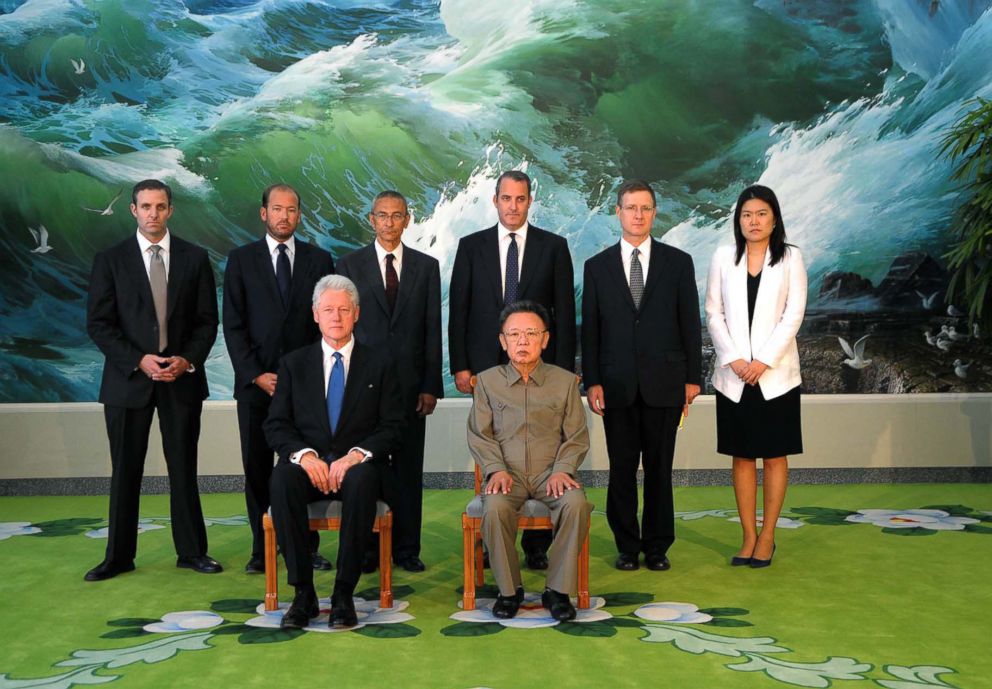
897 600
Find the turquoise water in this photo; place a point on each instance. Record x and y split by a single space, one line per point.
836 104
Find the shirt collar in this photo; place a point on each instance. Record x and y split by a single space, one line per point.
537 375
504 232
381 252
273 244
165 242
345 351
626 249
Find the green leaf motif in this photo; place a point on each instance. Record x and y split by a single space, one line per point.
83 676
127 633
953 510
727 622
67 527
151 652
977 528
132 622
389 631
815 675
259 635
699 642
626 598
470 629
914 677
600 630
623 622
822 512
245 605
373 593
726 612
915 531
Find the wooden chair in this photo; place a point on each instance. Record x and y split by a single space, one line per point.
533 514
325 515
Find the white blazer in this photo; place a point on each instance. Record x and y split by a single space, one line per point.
778 313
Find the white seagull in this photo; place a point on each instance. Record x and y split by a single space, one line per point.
41 238
931 340
856 356
943 345
955 335
975 332
78 65
109 210
961 369
952 311
927 301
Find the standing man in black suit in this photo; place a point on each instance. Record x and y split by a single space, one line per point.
642 366
336 416
268 285
152 311
499 266
401 290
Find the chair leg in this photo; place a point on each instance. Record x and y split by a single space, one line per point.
271 565
468 563
480 570
583 567
386 561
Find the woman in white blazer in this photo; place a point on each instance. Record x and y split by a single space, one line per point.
755 302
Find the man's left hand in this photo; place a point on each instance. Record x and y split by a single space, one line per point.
691 393
339 467
177 366
559 482
426 403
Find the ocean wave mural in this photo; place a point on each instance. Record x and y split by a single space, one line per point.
839 105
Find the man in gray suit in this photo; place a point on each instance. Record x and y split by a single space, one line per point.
527 431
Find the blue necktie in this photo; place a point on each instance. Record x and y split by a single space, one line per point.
512 271
283 274
335 391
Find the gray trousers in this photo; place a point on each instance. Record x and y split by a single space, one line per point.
570 516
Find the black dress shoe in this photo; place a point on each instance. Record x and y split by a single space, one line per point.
656 562
626 562
256 565
108 569
320 562
370 563
758 564
412 564
536 560
558 604
303 609
204 564
342 611
506 607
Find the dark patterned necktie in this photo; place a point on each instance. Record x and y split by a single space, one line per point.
636 278
512 271
392 282
160 288
283 274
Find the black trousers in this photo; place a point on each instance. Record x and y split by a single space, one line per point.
641 435
408 479
257 459
127 431
291 493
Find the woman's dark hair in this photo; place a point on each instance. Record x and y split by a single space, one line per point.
776 243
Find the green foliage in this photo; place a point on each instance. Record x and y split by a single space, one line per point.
600 630
968 144
389 631
472 629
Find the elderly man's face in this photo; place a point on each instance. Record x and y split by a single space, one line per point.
389 218
524 337
336 316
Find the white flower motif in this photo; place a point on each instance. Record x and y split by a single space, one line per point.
679 613
937 520
238 520
8 529
143 526
368 612
532 615
782 523
186 621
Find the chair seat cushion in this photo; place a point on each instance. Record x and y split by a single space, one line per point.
331 509
530 508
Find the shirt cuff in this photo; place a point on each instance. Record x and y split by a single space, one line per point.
297 456
368 455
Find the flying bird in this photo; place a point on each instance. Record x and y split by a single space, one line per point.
926 301
109 210
961 369
41 239
78 65
856 356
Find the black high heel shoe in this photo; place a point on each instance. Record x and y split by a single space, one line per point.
738 561
757 564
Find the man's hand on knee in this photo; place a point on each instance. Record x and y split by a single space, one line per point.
318 471
559 482
499 482
339 468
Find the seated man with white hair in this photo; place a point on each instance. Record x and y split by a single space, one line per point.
527 431
336 415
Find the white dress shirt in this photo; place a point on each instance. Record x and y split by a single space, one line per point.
146 252
397 259
504 247
274 251
627 250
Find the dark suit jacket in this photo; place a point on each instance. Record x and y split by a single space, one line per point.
120 318
476 298
657 348
371 414
258 329
412 333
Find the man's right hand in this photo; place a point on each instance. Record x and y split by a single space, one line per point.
596 399
318 471
463 381
267 381
151 365
499 482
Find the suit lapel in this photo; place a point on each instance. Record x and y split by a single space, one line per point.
532 258
411 265
135 264
737 289
178 265
301 264
614 266
314 386
263 267
656 268
490 259
372 273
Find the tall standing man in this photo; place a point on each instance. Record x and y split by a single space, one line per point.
499 266
152 311
642 367
400 290
268 286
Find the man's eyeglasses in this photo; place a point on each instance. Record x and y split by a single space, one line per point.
395 217
528 335
645 210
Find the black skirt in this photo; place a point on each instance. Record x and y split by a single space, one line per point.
756 427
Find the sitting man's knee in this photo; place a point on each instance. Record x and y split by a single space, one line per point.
498 507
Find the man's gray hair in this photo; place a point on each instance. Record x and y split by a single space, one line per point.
338 283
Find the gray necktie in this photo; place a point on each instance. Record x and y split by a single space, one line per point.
636 278
156 276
